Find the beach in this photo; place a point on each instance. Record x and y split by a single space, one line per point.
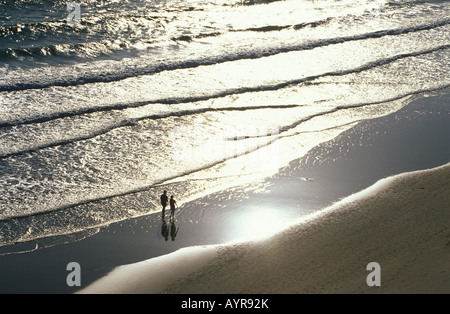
210 228
303 142
399 222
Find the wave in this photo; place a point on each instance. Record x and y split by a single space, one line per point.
271 28
31 29
103 47
286 128
153 69
68 53
93 39
257 2
132 122
243 90
407 3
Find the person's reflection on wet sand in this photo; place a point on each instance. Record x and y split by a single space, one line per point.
165 229
173 230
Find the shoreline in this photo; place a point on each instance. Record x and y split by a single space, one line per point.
351 162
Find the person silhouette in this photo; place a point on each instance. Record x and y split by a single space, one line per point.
165 229
173 203
164 201
173 230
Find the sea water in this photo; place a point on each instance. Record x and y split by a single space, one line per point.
103 104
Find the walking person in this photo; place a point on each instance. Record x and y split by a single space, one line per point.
164 201
173 203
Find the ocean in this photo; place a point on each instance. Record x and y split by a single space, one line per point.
104 104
